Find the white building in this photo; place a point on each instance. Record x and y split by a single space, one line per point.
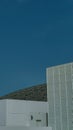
59 92
23 113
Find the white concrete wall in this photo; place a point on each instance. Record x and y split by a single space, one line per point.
25 128
19 112
22 106
2 112
59 94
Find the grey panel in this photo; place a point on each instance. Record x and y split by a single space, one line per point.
59 86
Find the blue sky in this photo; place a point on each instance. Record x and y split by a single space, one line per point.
34 34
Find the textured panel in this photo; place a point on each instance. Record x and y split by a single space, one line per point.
60 96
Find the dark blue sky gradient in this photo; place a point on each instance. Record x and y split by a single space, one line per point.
34 34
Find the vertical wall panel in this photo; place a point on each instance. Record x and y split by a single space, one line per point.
60 87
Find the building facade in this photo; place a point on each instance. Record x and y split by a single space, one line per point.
23 113
59 93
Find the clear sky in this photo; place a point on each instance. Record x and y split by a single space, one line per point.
34 34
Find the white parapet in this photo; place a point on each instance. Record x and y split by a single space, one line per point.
25 128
